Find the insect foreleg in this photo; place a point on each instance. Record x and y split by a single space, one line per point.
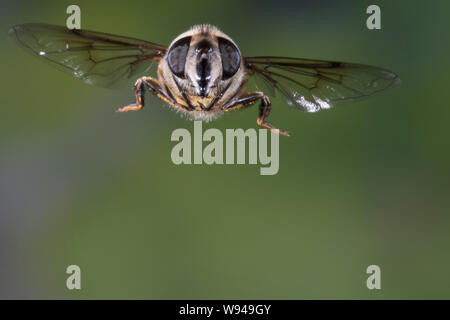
250 98
153 85
264 110
245 100
139 94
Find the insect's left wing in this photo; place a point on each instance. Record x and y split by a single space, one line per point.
312 85
97 58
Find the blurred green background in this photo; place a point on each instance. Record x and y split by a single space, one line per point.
364 183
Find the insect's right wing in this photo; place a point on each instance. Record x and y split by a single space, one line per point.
97 58
313 85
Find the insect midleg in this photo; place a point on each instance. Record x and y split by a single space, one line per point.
250 98
154 86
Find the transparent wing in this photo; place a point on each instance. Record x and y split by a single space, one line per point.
97 58
312 85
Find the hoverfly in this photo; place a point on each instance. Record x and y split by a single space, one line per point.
202 72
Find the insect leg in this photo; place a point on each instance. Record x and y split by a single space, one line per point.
153 86
139 94
250 98
245 100
264 110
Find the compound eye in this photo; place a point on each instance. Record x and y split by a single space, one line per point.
177 56
231 59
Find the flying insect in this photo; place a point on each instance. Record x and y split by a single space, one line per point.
202 73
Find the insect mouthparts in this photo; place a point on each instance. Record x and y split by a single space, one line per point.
203 92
